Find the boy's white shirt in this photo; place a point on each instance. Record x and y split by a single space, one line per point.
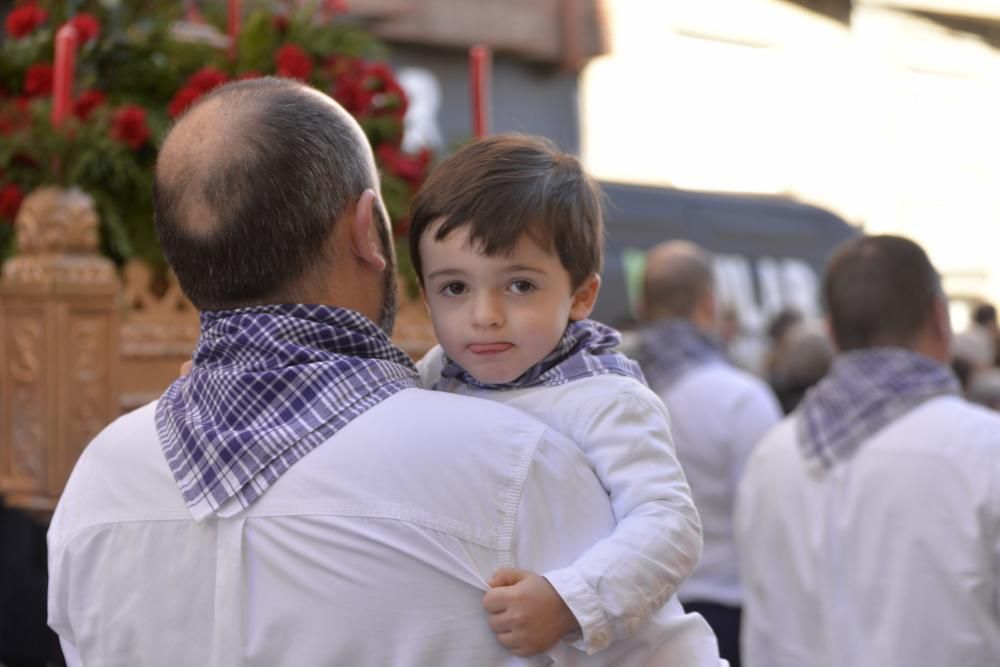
623 429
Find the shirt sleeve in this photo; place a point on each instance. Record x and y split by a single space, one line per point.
617 584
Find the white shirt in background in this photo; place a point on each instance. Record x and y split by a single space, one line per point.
718 414
373 549
891 558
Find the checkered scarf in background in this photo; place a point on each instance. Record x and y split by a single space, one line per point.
864 391
670 348
585 349
269 384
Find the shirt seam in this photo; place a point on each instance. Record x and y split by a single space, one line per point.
384 512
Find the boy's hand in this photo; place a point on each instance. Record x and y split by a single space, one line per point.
526 613
186 368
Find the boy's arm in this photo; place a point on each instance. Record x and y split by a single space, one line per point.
616 585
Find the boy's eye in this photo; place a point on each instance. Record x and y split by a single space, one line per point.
522 287
453 289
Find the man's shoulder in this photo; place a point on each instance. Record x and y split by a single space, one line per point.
946 425
725 385
779 444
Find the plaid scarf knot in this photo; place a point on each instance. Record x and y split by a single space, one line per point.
269 384
586 349
864 391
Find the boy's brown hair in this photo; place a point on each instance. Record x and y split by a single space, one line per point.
508 185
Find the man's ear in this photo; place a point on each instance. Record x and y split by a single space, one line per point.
364 234
828 326
584 298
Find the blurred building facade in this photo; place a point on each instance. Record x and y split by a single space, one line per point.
882 111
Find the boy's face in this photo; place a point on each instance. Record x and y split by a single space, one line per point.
499 316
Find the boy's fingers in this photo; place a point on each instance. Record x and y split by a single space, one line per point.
186 368
495 600
507 576
499 623
508 640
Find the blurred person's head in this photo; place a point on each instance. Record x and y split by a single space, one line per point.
803 359
985 315
807 355
266 192
973 349
883 291
679 284
782 322
777 330
984 388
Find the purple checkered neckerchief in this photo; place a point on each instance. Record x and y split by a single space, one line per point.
864 391
585 349
670 348
269 384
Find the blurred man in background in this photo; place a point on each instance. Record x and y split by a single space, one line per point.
718 413
867 521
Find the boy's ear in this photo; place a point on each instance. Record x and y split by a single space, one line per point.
584 298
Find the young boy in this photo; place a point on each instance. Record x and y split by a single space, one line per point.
507 238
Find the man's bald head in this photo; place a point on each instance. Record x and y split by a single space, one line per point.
678 277
248 186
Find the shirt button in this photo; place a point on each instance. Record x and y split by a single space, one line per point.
632 624
600 640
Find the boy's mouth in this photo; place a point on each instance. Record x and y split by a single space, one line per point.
489 348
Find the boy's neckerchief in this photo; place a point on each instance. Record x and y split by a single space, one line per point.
269 384
670 348
585 349
864 391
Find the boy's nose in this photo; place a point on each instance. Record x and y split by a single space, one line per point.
487 312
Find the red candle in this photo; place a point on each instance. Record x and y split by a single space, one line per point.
62 80
234 27
480 61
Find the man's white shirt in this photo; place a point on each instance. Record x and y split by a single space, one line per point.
891 558
374 549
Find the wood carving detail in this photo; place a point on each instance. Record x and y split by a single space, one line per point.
57 242
88 373
27 405
156 325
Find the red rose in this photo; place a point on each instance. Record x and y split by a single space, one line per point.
391 100
10 201
410 168
280 23
352 95
184 98
86 26
38 80
129 126
293 62
377 75
206 79
87 102
24 20
13 116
